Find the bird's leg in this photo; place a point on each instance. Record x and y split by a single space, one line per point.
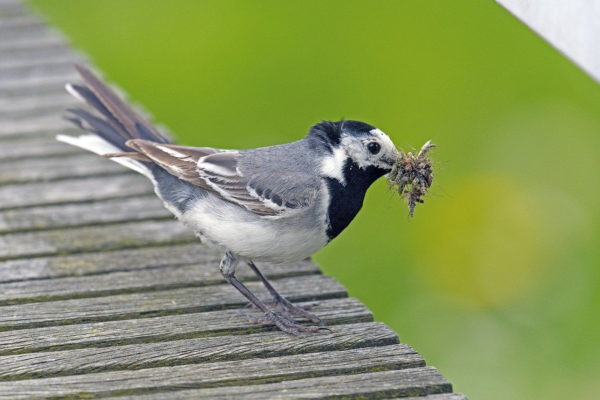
280 300
227 267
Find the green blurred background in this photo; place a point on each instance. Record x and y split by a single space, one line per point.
495 280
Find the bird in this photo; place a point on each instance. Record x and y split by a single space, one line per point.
276 204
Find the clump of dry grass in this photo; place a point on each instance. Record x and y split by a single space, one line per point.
412 176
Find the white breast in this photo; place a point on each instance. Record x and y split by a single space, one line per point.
250 236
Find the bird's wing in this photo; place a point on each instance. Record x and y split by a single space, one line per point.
258 190
179 161
275 193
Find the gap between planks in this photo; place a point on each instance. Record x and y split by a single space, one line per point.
375 385
237 321
93 239
159 303
55 169
225 373
96 213
194 350
73 190
105 262
167 277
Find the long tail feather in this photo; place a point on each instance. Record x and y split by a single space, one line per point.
98 145
115 123
118 110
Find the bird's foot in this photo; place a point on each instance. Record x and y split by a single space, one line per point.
288 325
289 309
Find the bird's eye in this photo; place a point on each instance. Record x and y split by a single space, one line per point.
373 147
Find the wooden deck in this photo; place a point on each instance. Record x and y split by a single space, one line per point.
104 294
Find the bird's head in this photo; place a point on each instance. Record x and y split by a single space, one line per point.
354 143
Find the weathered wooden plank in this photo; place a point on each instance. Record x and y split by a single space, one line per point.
225 373
46 67
37 85
105 262
11 9
73 190
23 27
33 125
160 302
93 238
24 21
17 21
171 327
21 66
72 215
35 103
57 110
49 41
20 110
195 350
442 396
54 111
50 169
47 47
401 383
34 147
168 277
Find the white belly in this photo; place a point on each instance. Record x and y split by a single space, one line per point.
247 235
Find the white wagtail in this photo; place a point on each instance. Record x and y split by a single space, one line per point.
276 204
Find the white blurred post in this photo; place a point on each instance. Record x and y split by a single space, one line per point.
572 26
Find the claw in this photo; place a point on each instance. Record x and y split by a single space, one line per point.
289 309
294 309
290 326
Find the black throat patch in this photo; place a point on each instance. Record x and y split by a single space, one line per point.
346 200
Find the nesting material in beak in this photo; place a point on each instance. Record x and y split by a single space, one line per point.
412 176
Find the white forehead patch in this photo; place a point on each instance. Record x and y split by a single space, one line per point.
333 165
385 140
355 148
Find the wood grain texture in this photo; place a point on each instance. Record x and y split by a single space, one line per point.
27 69
17 61
216 374
167 277
73 190
170 327
442 396
93 238
34 147
25 110
103 262
33 125
47 41
32 102
23 21
195 350
159 302
48 47
375 385
54 168
93 213
21 28
21 24
11 9
42 85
